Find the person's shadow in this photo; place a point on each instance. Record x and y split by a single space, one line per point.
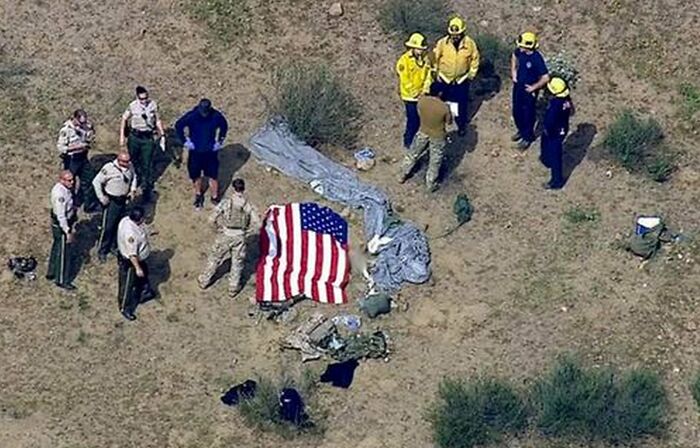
486 85
159 270
576 146
455 150
87 234
231 159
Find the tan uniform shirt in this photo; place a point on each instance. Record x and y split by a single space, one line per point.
132 239
62 206
114 181
71 134
140 117
224 210
434 116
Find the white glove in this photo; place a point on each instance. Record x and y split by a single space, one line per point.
161 142
217 146
189 145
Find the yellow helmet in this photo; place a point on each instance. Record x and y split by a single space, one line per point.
528 40
456 26
417 40
558 88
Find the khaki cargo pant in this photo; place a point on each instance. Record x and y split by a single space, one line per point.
436 152
226 245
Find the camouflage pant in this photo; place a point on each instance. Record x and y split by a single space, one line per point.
436 150
225 246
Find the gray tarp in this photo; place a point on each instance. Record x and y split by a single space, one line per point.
405 258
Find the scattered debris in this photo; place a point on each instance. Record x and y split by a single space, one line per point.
23 267
239 392
375 304
365 159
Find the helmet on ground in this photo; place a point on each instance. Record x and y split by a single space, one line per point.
558 88
528 40
417 40
456 26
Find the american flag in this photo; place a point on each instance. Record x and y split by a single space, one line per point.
303 251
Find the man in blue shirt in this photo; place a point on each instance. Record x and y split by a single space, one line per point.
555 127
201 147
529 73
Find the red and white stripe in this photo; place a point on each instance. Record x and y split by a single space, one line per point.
299 262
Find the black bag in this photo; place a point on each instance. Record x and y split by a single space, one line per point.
240 392
292 408
22 267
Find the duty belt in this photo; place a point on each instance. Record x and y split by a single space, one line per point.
141 134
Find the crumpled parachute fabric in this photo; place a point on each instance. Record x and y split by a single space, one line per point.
405 258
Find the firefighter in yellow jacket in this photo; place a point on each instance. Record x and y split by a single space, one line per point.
413 68
457 63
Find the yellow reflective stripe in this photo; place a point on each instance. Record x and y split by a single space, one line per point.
126 287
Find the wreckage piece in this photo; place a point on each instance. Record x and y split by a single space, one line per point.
310 337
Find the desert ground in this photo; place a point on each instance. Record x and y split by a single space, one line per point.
511 290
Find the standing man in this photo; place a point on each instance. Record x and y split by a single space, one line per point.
234 216
63 218
134 249
555 129
74 141
434 116
114 185
142 120
457 61
207 128
529 73
413 68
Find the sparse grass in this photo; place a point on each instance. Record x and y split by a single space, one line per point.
579 215
690 96
404 17
263 410
478 412
82 337
695 389
316 105
83 302
575 403
227 20
561 65
637 145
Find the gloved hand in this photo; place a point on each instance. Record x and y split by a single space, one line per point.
217 146
189 145
161 143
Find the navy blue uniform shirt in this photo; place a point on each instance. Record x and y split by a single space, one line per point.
202 130
531 67
556 119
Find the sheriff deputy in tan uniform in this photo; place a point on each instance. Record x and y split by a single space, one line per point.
74 141
142 119
63 218
134 249
114 185
234 216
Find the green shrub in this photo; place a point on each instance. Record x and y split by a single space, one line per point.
578 215
591 405
263 410
560 65
316 105
637 145
227 20
690 96
495 54
476 413
404 17
695 388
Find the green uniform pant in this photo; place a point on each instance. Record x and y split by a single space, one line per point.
80 167
225 246
60 260
142 151
436 150
131 287
112 213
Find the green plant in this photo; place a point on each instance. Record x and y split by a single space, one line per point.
591 405
227 20
315 104
695 388
637 145
578 215
690 96
495 54
404 17
263 409
471 413
560 65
